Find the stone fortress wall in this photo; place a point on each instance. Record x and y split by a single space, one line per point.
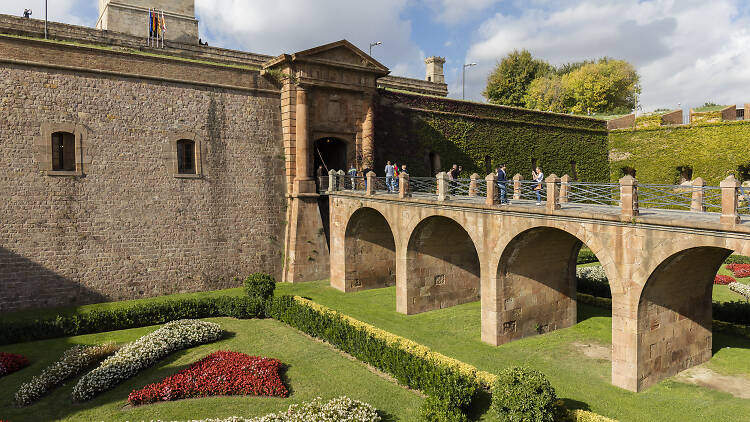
125 226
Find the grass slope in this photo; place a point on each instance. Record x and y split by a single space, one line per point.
313 369
582 382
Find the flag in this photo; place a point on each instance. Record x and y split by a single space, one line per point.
163 23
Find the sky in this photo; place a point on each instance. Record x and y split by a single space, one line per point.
687 52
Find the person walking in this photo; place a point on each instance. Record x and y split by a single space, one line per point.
454 178
27 13
320 179
538 177
389 176
403 169
364 174
502 181
353 175
395 177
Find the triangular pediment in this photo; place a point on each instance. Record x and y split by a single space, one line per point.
341 52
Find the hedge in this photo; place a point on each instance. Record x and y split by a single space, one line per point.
412 126
131 317
713 151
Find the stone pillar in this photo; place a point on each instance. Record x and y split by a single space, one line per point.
303 182
729 213
473 185
553 192
331 181
517 186
371 180
340 180
368 136
564 188
492 196
404 191
443 183
697 204
747 111
629 197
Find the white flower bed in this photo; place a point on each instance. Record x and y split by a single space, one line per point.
595 274
145 352
741 289
341 409
72 362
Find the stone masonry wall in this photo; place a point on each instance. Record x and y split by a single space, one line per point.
128 228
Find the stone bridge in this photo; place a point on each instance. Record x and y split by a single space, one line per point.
520 260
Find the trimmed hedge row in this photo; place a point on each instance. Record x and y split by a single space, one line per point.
131 317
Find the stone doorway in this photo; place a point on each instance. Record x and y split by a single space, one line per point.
331 154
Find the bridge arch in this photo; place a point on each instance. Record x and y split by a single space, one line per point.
443 266
674 313
369 251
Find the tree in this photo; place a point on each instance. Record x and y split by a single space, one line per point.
509 82
606 86
547 94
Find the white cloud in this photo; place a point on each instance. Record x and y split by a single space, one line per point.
686 51
293 25
456 11
76 12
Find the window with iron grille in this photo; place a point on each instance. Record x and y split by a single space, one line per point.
186 156
63 151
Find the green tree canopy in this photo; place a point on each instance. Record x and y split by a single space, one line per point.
547 94
509 82
606 86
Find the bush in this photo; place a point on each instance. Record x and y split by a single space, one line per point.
593 281
737 259
144 352
435 409
130 317
260 285
11 362
739 270
741 289
585 256
411 364
72 362
523 395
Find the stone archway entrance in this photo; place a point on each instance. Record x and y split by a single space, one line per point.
330 153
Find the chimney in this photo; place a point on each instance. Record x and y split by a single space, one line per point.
435 69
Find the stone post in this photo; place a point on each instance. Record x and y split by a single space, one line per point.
404 190
553 192
303 181
443 185
473 185
331 181
517 186
371 180
697 204
341 182
368 135
747 112
564 188
729 213
491 189
629 197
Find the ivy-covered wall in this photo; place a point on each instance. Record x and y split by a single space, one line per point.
712 151
411 127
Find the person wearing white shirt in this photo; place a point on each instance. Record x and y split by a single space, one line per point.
538 177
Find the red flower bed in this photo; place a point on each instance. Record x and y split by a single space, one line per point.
723 279
10 363
739 270
221 373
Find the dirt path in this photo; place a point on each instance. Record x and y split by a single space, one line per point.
737 386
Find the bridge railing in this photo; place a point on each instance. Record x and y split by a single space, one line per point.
426 185
590 193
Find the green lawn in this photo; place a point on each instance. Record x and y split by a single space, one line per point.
583 382
313 369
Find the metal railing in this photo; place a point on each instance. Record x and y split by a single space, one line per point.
529 188
592 193
423 185
672 197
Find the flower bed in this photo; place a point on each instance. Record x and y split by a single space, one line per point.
72 362
221 373
741 289
724 280
739 270
10 362
144 352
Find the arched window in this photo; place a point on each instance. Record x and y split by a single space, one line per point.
573 172
435 166
186 157
685 174
743 172
628 171
487 164
63 151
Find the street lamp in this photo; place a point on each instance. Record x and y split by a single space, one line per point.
45 19
463 80
373 45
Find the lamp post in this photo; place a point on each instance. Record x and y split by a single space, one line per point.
463 80
45 19
373 44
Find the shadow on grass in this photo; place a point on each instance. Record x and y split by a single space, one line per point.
285 378
573 404
587 311
721 340
386 417
480 405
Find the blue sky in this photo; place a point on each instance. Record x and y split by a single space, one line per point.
686 51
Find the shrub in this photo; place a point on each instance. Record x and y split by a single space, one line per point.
435 409
585 256
410 363
260 285
593 281
723 279
130 317
72 362
144 352
11 362
523 394
736 312
586 416
740 289
737 259
739 270
221 373
341 409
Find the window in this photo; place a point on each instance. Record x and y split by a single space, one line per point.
685 174
186 157
628 171
63 151
573 173
435 166
487 164
743 173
